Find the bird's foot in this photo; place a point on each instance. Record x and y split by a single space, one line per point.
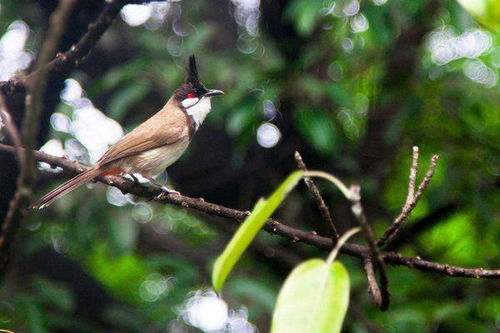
134 178
166 190
169 190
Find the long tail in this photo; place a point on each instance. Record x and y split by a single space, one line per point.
67 187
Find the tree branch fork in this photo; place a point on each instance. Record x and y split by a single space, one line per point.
272 226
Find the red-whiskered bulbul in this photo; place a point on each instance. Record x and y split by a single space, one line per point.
155 144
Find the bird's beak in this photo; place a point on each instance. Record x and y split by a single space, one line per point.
214 92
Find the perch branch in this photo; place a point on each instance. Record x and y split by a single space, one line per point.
272 226
320 203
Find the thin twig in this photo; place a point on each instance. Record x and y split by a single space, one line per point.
272 226
13 133
11 129
323 208
34 103
373 287
398 224
78 52
413 178
383 298
428 176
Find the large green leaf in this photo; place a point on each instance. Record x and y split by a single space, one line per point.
252 224
249 229
313 299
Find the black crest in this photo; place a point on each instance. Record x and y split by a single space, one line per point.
192 71
192 84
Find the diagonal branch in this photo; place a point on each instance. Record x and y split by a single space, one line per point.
272 226
411 200
381 296
77 53
323 208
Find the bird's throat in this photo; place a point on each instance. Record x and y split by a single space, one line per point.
199 111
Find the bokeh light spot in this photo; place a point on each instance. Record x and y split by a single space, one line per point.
142 213
268 135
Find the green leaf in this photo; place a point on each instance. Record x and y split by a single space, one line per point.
318 129
126 98
56 295
249 229
305 14
124 73
34 316
122 275
314 298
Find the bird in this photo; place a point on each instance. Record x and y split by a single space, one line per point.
155 144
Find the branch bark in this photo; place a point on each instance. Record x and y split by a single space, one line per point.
411 200
272 226
381 296
323 208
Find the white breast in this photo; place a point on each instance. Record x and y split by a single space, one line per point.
200 110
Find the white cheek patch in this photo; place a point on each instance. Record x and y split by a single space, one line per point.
188 102
200 110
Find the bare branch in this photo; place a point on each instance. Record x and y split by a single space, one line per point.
34 103
413 178
373 287
398 224
78 52
381 296
272 226
11 129
428 176
323 208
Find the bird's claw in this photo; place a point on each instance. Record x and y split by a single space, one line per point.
166 190
169 190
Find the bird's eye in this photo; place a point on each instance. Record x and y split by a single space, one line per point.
191 95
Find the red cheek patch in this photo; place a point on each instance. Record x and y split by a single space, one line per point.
191 95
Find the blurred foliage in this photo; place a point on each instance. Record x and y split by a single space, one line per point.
322 72
486 11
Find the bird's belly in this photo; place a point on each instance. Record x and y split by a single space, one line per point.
155 161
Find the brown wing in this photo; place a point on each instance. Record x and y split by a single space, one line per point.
166 127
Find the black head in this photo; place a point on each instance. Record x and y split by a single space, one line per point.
193 88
